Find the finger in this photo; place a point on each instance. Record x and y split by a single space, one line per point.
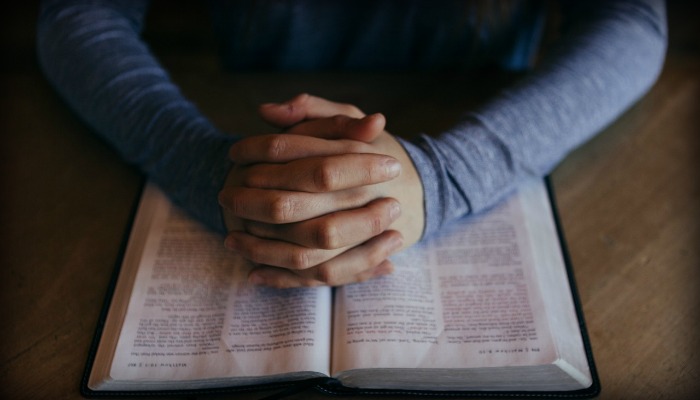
323 174
282 207
342 127
302 107
277 253
386 267
283 278
279 278
356 261
351 266
281 148
335 230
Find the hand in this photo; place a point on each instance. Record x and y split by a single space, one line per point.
332 192
312 116
320 228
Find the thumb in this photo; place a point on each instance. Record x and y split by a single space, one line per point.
365 129
304 107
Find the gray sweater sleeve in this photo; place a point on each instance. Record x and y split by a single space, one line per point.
609 56
92 54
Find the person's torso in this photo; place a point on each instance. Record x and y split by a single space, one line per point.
376 34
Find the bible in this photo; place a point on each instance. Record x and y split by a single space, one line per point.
488 306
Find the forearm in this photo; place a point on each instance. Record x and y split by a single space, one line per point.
92 54
604 63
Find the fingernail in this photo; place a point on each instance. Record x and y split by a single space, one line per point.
396 242
375 116
393 167
395 210
367 119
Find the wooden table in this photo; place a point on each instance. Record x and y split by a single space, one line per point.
629 202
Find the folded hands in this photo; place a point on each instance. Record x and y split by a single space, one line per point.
325 202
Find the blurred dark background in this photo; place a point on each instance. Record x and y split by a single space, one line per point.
180 29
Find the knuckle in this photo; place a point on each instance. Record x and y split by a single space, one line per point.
282 209
276 284
309 282
376 224
327 236
233 201
340 121
275 146
376 256
298 104
363 277
252 179
325 273
301 98
251 252
373 173
378 252
326 177
300 259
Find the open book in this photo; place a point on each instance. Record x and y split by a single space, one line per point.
485 306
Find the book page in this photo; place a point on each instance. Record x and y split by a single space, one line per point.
193 318
469 298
